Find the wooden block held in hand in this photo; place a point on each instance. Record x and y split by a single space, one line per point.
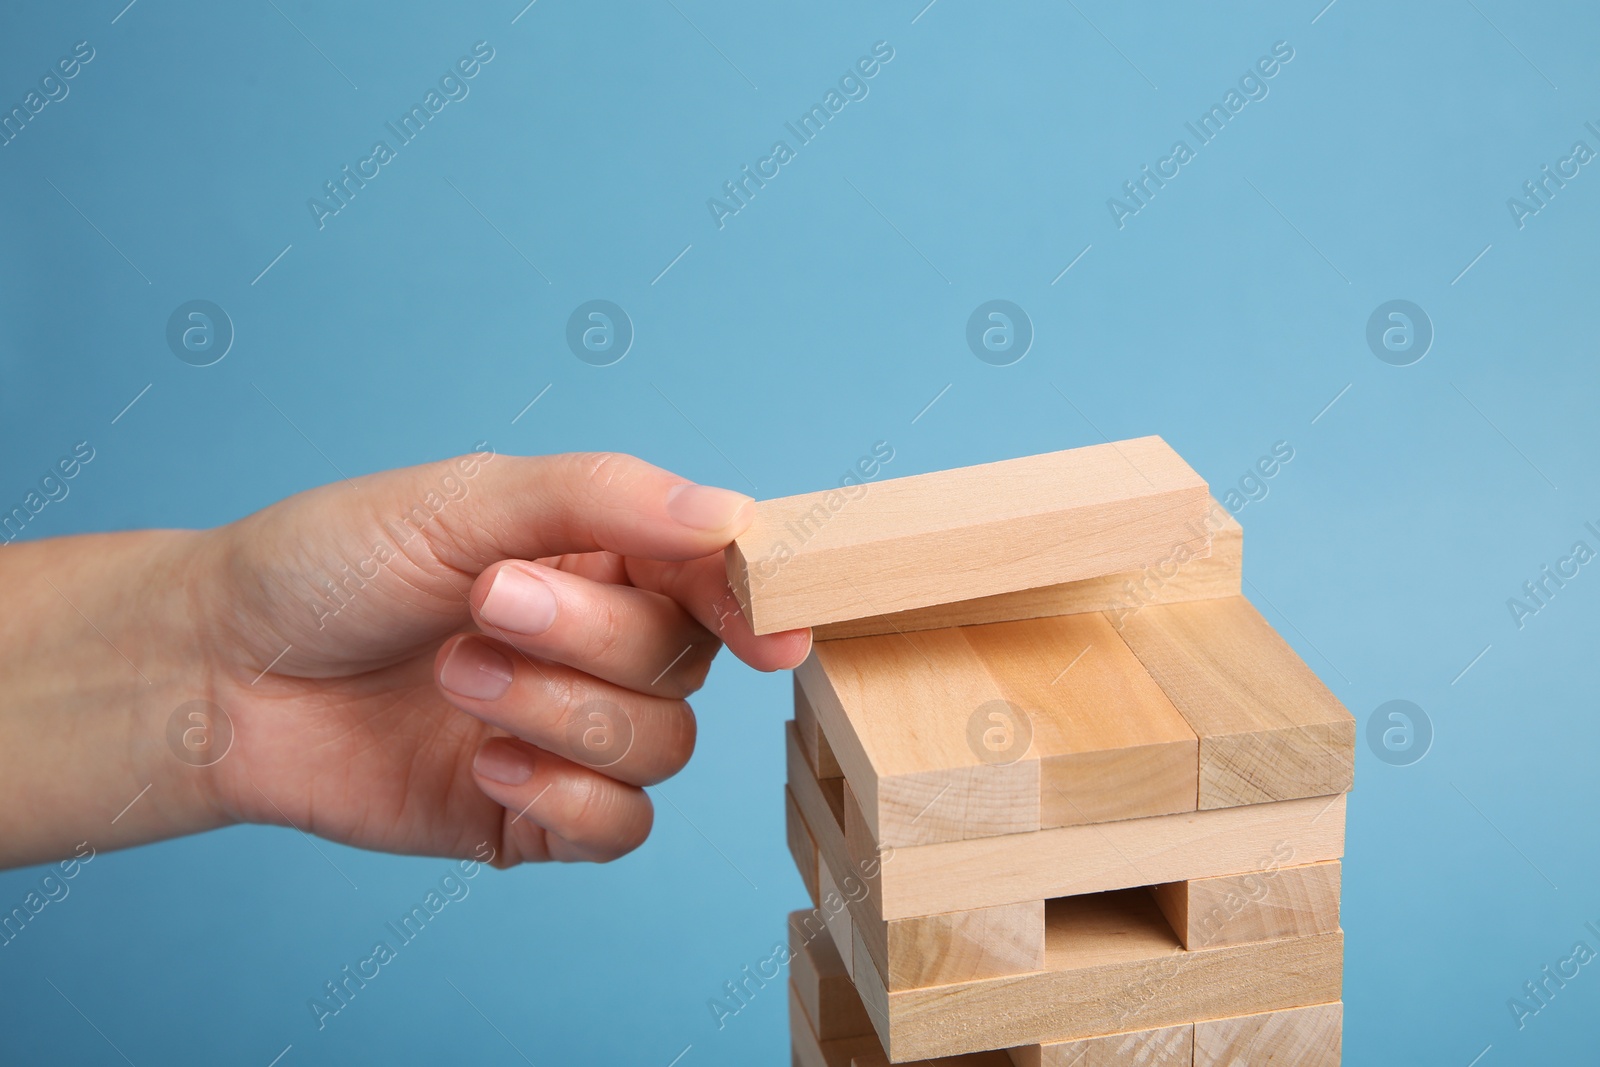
1268 728
1178 576
1299 1037
954 535
1235 909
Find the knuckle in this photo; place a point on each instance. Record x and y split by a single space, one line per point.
604 470
588 810
602 643
563 692
601 820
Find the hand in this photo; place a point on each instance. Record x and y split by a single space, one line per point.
490 649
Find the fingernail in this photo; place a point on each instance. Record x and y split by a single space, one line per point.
811 641
476 671
705 507
503 762
519 602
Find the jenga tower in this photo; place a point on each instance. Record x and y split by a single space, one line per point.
1059 793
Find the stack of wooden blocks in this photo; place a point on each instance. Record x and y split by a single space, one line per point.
1059 793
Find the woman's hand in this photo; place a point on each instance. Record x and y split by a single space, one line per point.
490 649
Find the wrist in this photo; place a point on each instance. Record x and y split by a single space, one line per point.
105 644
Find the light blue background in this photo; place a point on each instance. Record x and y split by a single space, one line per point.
824 317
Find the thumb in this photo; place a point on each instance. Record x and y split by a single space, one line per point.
481 508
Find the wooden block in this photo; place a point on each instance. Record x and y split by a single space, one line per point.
921 724
1166 1046
1177 577
1110 744
1303 1037
897 710
819 1025
925 950
802 846
956 946
822 982
977 531
972 1059
820 803
1111 964
987 872
808 1050
960 946
836 915
1268 728
812 740
1276 901
1068 860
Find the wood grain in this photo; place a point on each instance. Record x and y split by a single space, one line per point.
1310 1036
1109 742
819 977
1268 728
1276 901
833 1029
955 535
802 845
957 946
897 710
1166 1046
808 1050
987 872
1112 964
820 803
836 915
876 1058
812 740
1068 860
999 729
1178 576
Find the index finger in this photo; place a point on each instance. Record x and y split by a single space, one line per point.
701 587
530 507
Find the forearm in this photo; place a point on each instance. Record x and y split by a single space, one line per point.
100 642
